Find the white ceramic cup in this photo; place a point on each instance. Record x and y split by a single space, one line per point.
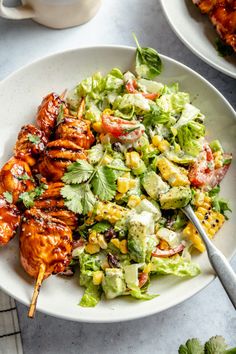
53 13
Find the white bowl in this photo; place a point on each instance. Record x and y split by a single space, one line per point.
21 93
197 33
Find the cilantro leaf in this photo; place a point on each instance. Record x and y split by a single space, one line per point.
35 139
101 226
78 172
60 117
28 197
215 345
8 196
192 346
78 198
24 177
87 198
73 198
104 183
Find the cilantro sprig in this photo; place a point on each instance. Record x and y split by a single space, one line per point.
35 139
85 183
215 345
28 198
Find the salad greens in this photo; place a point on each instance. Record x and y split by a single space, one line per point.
150 158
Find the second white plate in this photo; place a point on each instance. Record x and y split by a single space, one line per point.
197 33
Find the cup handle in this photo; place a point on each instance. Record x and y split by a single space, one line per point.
16 13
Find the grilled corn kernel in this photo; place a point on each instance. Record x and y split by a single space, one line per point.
107 159
156 139
109 211
175 175
211 221
123 184
116 242
92 248
134 200
123 247
97 126
199 198
97 277
93 237
132 183
119 196
101 241
218 159
132 159
147 268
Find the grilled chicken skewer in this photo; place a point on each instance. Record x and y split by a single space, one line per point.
52 203
9 221
16 178
58 155
48 112
30 144
45 248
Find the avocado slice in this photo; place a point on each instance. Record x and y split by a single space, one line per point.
176 197
113 283
154 185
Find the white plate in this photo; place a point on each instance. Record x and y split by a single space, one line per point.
21 93
197 33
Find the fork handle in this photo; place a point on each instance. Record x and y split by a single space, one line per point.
224 271
218 261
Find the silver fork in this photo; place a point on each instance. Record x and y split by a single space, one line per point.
218 261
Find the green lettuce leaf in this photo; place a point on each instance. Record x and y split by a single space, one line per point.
188 136
175 266
92 295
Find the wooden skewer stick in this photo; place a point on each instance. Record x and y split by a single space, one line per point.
81 109
37 286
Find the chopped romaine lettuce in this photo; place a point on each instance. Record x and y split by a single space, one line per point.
92 295
188 136
189 113
175 266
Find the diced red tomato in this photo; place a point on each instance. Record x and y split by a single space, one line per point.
203 174
143 278
132 86
167 253
126 131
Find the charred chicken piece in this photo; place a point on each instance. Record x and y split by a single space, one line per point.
48 112
58 155
222 14
76 130
16 178
44 240
52 203
9 221
30 144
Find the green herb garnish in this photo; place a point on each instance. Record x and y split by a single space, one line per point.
28 197
84 182
8 196
148 62
223 49
35 139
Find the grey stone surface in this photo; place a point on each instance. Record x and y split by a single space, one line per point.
207 313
